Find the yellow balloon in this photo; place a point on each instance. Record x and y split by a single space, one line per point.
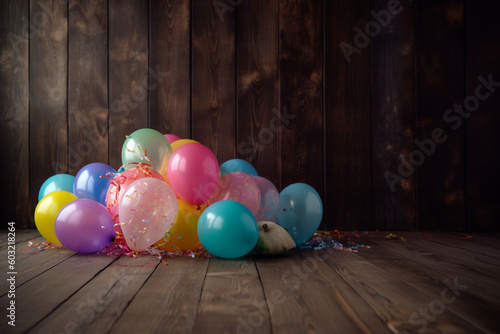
183 235
46 212
178 143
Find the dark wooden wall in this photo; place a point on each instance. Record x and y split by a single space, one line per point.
74 81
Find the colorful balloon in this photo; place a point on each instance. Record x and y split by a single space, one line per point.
56 182
238 165
228 229
84 226
183 235
46 212
193 173
269 208
181 142
147 210
301 211
119 185
92 182
239 187
171 138
147 146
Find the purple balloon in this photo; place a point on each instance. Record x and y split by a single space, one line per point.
84 226
269 200
89 183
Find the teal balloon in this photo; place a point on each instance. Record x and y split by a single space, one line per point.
56 182
301 211
238 165
228 229
147 146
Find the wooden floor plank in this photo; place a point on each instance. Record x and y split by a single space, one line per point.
232 300
21 251
36 264
95 307
432 284
40 296
21 236
167 303
482 287
395 302
305 296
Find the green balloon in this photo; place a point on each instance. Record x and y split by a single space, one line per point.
147 146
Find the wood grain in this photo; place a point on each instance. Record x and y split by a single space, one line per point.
392 116
295 283
482 139
87 83
14 112
128 73
432 284
301 93
38 297
232 300
440 84
168 301
213 79
347 119
48 94
259 125
170 101
95 307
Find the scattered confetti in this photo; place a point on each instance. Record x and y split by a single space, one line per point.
392 236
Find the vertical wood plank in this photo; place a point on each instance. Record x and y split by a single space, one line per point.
439 85
259 124
347 118
482 139
170 101
213 78
14 110
87 83
48 94
301 92
128 72
393 115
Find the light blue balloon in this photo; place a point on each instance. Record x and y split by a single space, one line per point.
55 183
228 229
238 165
301 211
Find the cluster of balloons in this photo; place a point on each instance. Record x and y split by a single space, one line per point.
172 194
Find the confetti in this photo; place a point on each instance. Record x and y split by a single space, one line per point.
392 236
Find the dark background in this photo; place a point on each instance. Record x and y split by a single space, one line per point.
70 91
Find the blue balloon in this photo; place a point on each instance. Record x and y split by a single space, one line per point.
89 183
56 182
228 229
238 165
301 211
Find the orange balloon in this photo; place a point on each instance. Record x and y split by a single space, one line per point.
178 143
183 235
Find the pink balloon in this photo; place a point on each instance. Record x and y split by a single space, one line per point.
171 138
239 187
269 208
118 186
193 173
148 208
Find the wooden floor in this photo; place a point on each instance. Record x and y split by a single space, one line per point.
436 284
